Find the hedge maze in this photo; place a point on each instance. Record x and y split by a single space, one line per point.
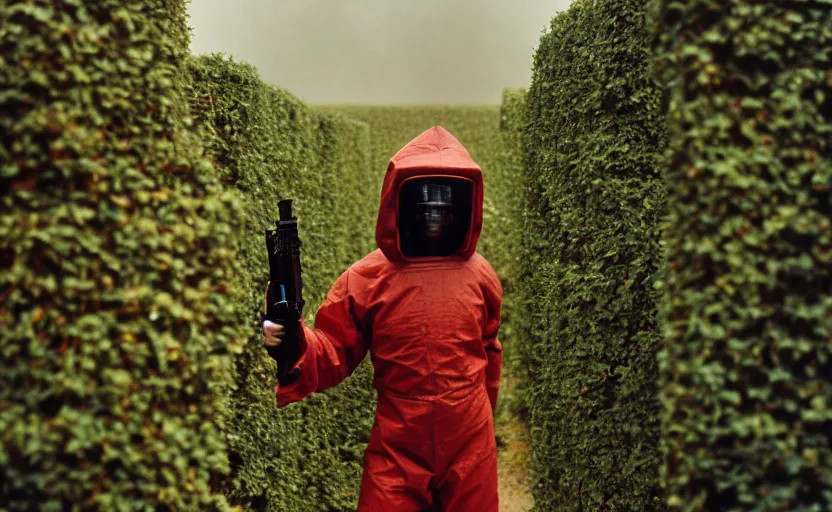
593 137
658 206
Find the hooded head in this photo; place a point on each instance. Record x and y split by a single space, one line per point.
431 171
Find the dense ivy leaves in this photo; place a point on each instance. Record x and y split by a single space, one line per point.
117 250
593 139
746 377
270 146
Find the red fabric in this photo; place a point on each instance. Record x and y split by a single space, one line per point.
431 328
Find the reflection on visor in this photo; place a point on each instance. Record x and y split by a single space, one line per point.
433 193
435 215
433 211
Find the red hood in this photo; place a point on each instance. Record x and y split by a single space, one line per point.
433 153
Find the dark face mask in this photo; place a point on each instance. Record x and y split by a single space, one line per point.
434 210
434 216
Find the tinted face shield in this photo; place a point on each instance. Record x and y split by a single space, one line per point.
434 216
434 209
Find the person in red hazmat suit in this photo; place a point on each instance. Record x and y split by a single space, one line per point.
426 306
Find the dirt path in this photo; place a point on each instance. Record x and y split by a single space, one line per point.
514 454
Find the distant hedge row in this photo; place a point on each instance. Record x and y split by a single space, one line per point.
593 137
746 372
270 146
117 256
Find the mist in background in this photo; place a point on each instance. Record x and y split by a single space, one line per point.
380 51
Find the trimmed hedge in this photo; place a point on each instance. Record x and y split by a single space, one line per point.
746 374
511 162
270 146
117 251
594 196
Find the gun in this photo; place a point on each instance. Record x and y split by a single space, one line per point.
284 298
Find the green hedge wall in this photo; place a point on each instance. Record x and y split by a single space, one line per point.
595 195
511 162
117 251
270 146
746 374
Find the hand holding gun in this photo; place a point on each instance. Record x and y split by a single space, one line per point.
284 296
273 333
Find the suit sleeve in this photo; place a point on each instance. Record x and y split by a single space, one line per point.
493 349
335 347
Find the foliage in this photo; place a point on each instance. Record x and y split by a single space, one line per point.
117 255
512 123
270 146
746 376
594 197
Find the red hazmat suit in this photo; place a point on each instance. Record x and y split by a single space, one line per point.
430 325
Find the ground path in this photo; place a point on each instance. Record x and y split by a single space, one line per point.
515 495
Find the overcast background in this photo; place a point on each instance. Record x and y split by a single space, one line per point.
380 51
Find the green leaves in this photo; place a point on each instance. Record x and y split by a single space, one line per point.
102 182
747 237
594 196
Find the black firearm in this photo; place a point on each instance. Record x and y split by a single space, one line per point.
284 297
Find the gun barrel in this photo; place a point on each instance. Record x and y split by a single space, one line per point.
284 248
285 209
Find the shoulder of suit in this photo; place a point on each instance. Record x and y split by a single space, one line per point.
479 261
481 266
371 265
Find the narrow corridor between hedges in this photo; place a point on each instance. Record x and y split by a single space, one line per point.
657 210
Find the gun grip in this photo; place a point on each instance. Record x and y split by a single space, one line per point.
287 314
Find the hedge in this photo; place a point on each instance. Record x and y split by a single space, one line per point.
746 373
117 255
594 199
512 167
270 146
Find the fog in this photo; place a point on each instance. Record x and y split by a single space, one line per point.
380 51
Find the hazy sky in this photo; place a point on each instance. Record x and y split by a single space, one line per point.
380 51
